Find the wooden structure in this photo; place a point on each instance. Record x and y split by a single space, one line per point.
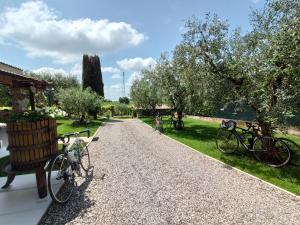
15 79
31 143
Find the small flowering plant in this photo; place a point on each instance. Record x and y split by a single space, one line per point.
32 116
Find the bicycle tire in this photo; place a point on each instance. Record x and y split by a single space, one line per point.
226 141
271 151
62 190
84 156
293 146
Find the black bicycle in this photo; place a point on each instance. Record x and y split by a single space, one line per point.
175 123
66 165
269 150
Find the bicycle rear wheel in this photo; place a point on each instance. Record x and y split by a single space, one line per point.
61 179
226 141
84 156
293 146
271 151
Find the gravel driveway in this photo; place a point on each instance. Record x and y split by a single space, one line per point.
141 177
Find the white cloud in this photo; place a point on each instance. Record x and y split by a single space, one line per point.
115 72
76 70
39 30
110 70
50 70
255 1
116 87
133 76
136 64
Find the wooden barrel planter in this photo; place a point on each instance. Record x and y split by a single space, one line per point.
31 143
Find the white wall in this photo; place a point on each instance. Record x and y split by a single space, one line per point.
3 140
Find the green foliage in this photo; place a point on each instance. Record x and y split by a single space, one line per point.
215 67
107 109
78 102
58 81
121 109
124 100
259 69
92 75
30 116
5 98
145 93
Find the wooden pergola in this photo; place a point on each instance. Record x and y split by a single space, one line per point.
15 79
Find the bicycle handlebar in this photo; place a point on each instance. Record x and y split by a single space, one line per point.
68 135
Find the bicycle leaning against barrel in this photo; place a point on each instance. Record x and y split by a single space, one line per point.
66 165
269 150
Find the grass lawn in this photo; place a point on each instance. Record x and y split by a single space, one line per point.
201 135
66 126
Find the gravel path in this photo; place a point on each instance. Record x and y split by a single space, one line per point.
141 177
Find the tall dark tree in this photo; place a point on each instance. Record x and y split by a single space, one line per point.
92 75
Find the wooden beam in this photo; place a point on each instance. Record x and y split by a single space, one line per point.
31 98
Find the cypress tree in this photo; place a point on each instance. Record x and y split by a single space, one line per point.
92 75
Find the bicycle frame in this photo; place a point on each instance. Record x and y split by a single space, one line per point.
241 137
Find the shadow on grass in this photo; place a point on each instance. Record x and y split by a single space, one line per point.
198 132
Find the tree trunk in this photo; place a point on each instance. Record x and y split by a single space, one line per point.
154 111
81 119
95 115
179 121
266 127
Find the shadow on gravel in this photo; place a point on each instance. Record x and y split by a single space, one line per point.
76 207
114 121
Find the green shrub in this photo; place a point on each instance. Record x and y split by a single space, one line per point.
121 109
78 102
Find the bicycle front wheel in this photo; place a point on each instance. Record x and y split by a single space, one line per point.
226 141
84 156
271 151
61 179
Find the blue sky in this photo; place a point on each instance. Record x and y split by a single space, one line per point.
128 35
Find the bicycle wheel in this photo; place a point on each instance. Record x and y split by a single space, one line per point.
61 179
226 141
271 151
293 146
84 156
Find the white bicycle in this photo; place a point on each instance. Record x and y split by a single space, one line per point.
64 167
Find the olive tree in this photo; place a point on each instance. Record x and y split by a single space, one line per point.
78 102
174 90
145 92
259 69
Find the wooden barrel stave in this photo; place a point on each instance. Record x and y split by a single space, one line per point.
31 144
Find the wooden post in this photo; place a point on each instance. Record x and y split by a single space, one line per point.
41 181
31 98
